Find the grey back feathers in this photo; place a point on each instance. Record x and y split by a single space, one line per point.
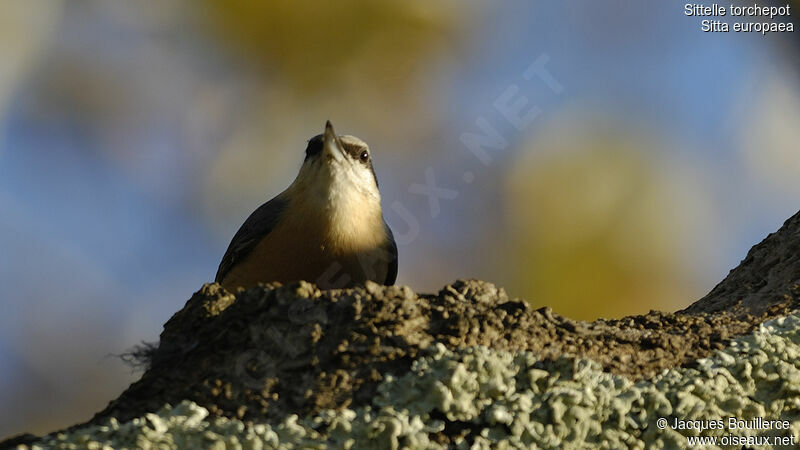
391 274
259 224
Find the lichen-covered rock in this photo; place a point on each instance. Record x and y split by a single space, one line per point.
467 365
477 397
272 351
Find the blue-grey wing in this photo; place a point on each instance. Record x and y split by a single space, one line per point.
391 248
260 223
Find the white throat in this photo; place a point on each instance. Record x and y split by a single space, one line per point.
341 200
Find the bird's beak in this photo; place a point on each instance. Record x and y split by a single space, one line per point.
331 144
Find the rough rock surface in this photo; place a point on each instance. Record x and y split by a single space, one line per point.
481 398
264 354
280 350
769 275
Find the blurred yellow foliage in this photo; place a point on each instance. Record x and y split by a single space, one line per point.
592 229
314 44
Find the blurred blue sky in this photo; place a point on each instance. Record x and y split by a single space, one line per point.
114 125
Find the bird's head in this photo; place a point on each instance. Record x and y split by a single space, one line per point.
338 170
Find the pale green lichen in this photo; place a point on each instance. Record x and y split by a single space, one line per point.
509 400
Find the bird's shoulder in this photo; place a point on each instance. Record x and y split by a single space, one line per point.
259 224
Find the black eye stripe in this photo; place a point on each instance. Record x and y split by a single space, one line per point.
355 151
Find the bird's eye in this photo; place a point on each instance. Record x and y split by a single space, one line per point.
364 156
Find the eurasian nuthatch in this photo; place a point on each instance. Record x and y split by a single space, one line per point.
327 227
